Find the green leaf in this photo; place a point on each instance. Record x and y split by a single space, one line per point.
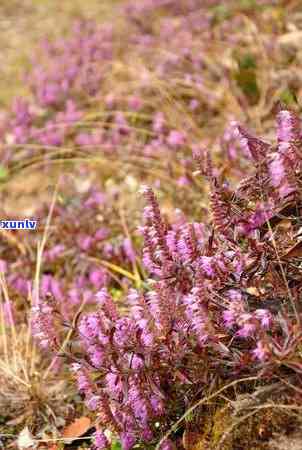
221 13
190 417
247 81
247 61
248 4
288 97
246 76
116 293
116 446
3 173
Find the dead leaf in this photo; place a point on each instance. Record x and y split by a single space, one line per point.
285 225
253 291
293 39
17 420
25 440
76 429
294 252
14 241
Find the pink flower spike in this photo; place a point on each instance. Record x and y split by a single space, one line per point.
100 441
288 126
176 139
261 352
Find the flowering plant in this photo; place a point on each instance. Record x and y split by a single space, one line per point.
222 297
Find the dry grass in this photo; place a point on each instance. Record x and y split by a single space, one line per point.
31 394
27 397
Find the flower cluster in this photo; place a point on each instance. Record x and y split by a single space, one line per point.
86 243
216 298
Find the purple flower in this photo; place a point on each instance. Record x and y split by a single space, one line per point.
110 101
3 266
194 104
93 402
265 317
43 325
235 310
70 115
96 199
136 362
157 405
167 445
147 434
90 326
45 285
98 277
159 308
252 145
84 139
101 234
229 318
84 242
56 290
100 441
21 110
288 126
198 317
121 122
138 403
113 384
107 304
124 331
49 94
96 355
235 295
74 296
277 170
20 134
54 252
158 122
247 325
183 181
135 103
20 284
261 352
206 265
9 313
176 139
83 379
262 213
127 440
129 250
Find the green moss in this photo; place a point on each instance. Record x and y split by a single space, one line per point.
221 421
116 446
246 77
255 432
248 4
220 13
288 97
